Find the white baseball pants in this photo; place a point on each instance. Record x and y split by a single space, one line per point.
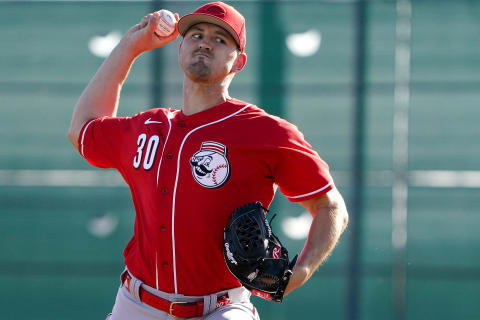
129 307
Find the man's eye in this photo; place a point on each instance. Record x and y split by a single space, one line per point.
196 36
219 40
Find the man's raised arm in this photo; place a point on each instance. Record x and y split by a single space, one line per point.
100 97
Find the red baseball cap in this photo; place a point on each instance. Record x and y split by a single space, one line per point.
220 14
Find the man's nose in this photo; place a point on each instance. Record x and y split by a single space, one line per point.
205 45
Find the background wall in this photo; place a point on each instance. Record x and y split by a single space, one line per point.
63 223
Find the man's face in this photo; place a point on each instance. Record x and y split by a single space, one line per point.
207 53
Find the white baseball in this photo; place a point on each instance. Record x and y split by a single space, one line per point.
166 24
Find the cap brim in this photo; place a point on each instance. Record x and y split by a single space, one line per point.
187 21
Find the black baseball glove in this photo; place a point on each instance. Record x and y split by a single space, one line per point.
254 255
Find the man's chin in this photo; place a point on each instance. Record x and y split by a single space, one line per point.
199 77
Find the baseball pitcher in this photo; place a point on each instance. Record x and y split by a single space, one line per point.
202 178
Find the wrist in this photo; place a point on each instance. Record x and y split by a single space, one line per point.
300 275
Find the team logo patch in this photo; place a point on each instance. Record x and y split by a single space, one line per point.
210 166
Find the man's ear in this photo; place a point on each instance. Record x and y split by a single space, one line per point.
240 62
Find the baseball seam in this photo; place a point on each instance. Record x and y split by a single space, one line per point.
214 173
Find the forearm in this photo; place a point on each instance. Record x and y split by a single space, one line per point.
330 219
100 97
326 228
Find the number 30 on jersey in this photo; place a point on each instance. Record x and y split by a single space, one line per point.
149 155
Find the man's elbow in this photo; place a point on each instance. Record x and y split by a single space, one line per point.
344 218
341 212
73 137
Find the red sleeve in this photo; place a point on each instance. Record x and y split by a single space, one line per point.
300 172
100 141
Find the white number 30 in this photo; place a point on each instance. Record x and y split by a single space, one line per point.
149 158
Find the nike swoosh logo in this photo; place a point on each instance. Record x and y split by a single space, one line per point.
151 121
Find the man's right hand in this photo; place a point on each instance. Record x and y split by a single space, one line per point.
142 37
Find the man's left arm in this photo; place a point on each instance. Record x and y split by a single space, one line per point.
330 219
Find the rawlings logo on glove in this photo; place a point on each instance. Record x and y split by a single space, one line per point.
254 255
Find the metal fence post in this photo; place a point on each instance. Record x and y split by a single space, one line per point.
272 89
358 139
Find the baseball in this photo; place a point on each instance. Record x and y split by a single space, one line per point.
166 24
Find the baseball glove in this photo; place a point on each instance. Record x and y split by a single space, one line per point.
254 255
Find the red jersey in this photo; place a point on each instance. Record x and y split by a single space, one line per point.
188 173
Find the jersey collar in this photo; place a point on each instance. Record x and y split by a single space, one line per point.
214 113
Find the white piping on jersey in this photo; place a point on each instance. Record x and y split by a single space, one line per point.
164 144
169 115
176 183
156 269
83 135
313 192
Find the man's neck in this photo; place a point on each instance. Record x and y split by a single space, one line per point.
199 97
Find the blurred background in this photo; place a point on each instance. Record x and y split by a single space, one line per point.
387 92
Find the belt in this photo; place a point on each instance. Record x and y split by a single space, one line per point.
177 309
